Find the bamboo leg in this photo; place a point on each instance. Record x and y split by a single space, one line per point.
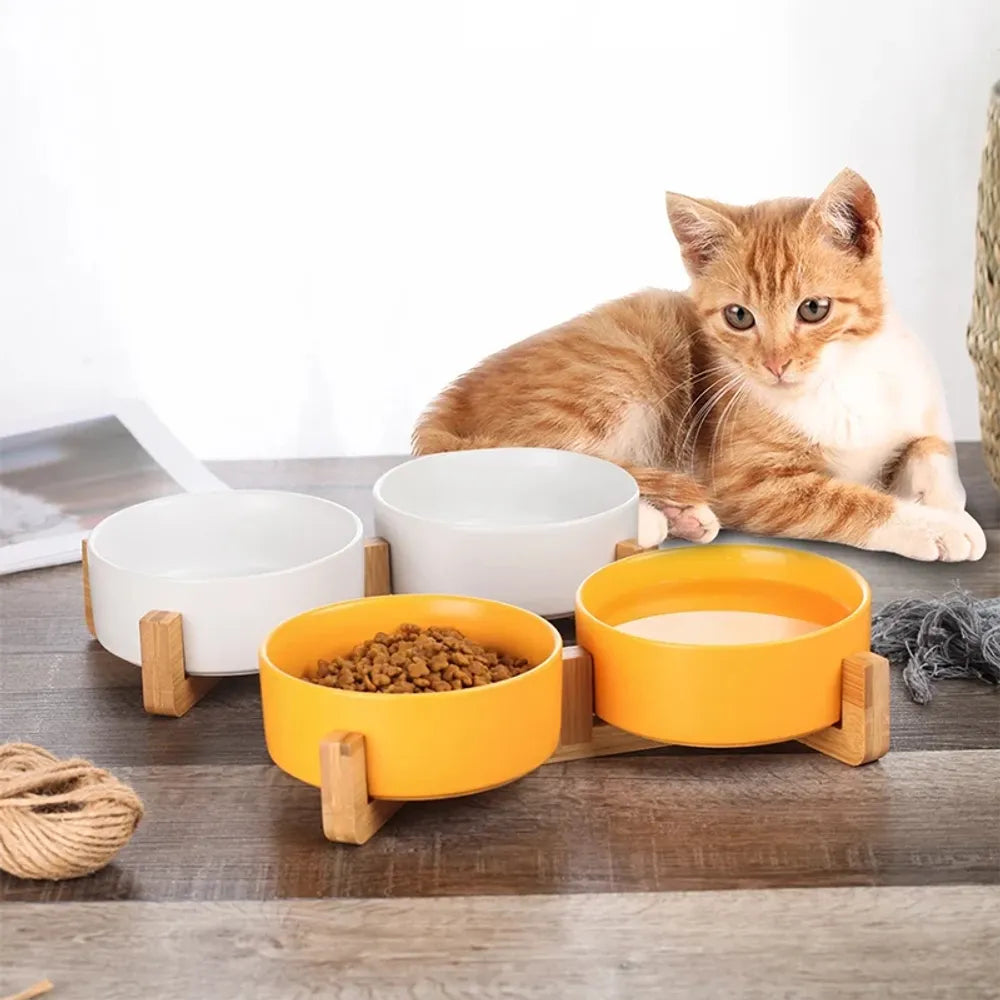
862 735
378 571
582 734
577 697
88 608
350 816
167 689
628 548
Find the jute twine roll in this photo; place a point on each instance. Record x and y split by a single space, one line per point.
983 337
60 819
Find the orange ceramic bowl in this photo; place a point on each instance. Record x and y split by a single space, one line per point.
422 746
722 695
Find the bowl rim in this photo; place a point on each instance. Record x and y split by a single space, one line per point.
502 528
555 652
94 553
643 642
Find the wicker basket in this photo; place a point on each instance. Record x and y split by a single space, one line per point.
983 336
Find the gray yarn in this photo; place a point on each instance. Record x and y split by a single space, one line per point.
957 635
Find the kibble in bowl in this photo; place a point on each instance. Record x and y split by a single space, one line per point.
415 660
332 670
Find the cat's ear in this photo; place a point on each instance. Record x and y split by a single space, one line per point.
847 215
701 230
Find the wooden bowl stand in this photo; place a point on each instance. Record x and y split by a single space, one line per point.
352 816
167 687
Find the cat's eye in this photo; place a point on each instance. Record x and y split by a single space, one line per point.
739 317
813 310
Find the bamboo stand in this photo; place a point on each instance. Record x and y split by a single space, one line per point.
167 688
351 816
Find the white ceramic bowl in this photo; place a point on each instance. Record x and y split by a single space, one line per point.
234 563
524 526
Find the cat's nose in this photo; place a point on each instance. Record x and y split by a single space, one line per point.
777 368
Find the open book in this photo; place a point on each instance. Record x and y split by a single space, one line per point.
60 476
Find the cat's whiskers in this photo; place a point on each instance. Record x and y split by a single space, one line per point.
744 396
730 408
702 416
716 391
656 404
723 370
683 384
680 451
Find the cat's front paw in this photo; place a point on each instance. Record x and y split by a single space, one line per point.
931 480
930 534
653 527
694 523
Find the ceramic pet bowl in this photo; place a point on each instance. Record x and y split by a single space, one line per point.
417 746
233 563
719 692
520 525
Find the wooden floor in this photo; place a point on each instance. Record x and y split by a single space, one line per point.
672 873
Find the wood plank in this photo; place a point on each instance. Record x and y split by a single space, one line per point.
349 480
70 695
41 609
964 715
35 672
827 944
62 690
605 740
109 726
613 824
327 475
90 704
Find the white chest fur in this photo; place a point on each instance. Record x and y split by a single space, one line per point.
867 400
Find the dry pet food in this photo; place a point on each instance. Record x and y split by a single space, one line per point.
415 660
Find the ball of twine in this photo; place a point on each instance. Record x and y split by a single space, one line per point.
60 819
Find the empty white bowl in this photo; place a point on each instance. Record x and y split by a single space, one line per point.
235 564
524 526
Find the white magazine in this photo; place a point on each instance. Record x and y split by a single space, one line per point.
61 475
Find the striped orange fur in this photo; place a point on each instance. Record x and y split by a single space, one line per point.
716 423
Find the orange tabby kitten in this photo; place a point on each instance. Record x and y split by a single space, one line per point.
779 395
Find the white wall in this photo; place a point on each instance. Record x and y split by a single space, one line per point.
287 224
